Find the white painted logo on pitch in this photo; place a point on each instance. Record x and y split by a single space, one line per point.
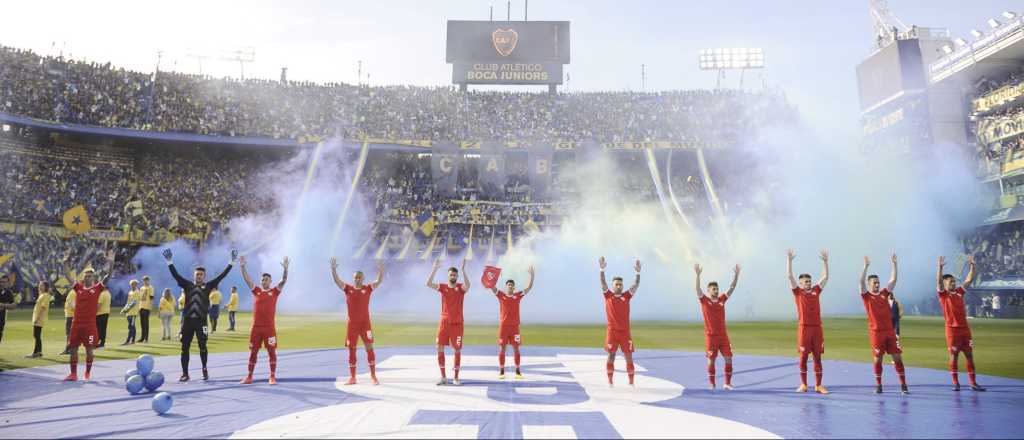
409 404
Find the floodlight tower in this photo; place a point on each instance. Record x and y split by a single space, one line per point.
722 59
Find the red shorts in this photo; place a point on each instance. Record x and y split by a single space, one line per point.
266 336
85 334
450 333
885 342
615 339
356 331
958 339
714 344
509 334
810 339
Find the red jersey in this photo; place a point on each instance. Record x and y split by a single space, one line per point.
509 306
953 307
714 314
358 302
808 306
451 303
617 309
86 302
264 306
878 309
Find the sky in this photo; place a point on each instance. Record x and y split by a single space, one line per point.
812 48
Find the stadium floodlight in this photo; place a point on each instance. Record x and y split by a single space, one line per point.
1009 15
960 42
948 50
976 33
992 23
731 58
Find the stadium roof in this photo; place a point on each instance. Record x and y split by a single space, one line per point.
994 55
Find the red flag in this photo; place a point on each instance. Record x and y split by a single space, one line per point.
490 277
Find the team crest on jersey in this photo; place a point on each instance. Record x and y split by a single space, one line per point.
564 396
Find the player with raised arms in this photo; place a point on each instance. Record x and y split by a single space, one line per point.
616 308
958 332
881 332
508 328
450 326
83 324
195 308
810 337
264 309
357 300
716 338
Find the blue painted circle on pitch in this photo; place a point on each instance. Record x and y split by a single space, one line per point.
38 404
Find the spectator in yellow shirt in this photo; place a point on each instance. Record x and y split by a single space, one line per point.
215 297
39 313
69 314
103 317
145 304
131 310
232 307
166 313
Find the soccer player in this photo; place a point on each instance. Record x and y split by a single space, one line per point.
880 329
215 298
810 337
616 307
897 312
166 314
69 315
264 309
131 310
357 300
508 328
232 308
39 312
145 305
958 333
83 325
7 301
450 328
716 338
197 304
103 317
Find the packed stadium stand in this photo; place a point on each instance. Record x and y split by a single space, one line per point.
115 142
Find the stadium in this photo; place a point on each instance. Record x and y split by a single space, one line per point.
261 223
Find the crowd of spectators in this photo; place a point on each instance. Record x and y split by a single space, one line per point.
63 90
998 250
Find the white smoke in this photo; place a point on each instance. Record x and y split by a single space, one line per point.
826 194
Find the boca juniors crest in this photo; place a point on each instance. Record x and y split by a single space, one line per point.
563 396
504 41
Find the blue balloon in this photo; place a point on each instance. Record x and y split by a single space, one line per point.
154 380
128 374
144 364
162 402
135 384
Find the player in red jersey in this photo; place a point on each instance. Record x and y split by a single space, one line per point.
616 307
357 300
880 329
450 327
716 338
958 333
810 337
508 329
83 324
264 307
